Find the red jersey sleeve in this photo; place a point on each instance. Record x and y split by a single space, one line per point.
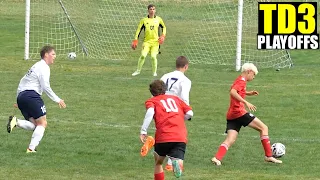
149 104
239 84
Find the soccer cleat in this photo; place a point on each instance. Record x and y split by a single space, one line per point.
147 146
11 123
177 168
272 159
135 73
31 151
155 74
216 161
168 167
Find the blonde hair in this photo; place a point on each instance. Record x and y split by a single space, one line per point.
248 67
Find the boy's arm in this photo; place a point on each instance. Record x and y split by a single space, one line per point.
137 34
252 93
234 94
164 31
147 120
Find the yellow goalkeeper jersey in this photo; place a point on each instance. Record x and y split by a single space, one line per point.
151 28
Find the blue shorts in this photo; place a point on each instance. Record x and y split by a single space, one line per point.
31 104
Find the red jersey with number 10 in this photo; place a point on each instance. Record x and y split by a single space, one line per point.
169 118
237 108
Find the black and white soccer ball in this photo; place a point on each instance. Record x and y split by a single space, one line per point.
278 150
72 55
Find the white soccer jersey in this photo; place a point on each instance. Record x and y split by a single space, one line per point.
37 79
177 84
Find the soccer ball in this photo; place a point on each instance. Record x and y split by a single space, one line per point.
72 55
278 150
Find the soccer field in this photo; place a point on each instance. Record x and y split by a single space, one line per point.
97 135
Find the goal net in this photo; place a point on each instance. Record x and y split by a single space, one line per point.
97 28
203 30
216 40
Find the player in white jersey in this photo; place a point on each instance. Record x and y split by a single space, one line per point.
29 101
179 85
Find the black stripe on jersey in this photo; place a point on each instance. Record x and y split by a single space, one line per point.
160 27
142 28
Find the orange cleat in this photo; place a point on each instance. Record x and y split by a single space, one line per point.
168 167
147 146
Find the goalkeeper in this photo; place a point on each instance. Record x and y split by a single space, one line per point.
151 43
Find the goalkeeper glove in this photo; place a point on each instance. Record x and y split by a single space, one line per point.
134 44
161 39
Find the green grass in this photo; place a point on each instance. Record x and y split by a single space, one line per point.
97 135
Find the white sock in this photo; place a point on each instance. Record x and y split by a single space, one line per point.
36 137
24 124
169 161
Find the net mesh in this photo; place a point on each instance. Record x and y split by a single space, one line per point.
203 30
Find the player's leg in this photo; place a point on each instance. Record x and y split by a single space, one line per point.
224 147
258 125
233 128
177 156
37 111
154 62
144 52
158 170
161 150
25 124
41 124
23 103
29 124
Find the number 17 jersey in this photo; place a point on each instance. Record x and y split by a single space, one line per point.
177 84
169 120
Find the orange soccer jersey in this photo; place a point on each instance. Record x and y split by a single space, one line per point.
237 108
169 118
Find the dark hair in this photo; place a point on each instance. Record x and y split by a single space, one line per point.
150 6
181 61
157 87
45 49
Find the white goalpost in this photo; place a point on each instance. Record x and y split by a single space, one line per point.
219 32
239 35
27 31
227 36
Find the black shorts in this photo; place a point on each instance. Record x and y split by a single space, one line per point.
235 124
171 149
31 104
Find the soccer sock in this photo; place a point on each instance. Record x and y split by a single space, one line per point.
24 124
266 145
159 176
221 151
141 62
36 137
169 161
154 63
